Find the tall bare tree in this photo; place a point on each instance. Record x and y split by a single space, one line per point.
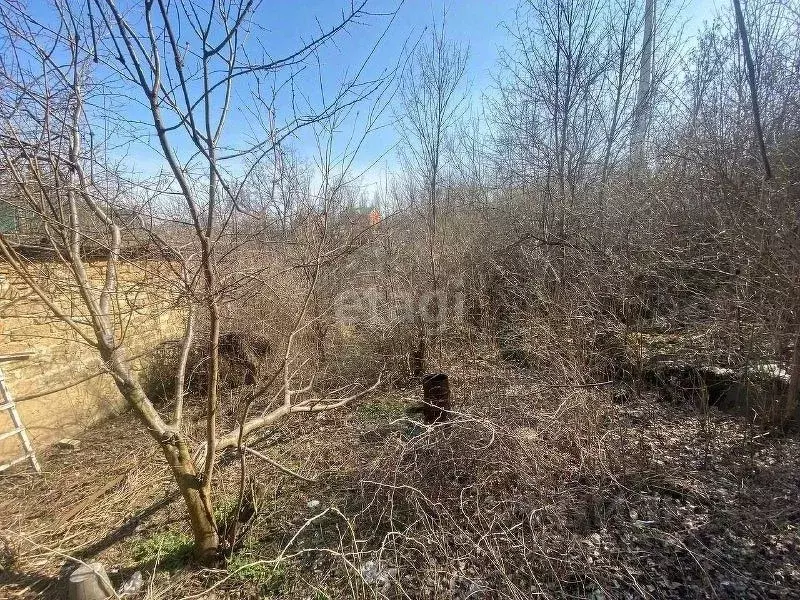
431 103
550 108
751 82
644 94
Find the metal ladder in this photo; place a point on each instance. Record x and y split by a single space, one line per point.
7 404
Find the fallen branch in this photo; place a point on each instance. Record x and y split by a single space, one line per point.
310 405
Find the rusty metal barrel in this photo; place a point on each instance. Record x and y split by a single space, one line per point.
436 397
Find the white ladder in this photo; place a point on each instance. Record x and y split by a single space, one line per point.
7 404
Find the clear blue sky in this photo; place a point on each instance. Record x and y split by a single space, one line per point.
285 24
477 24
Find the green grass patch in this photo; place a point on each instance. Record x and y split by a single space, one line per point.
385 409
172 550
224 508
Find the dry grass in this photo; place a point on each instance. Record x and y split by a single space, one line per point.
532 491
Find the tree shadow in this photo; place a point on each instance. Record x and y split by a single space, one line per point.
127 529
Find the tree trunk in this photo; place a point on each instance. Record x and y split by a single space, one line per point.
643 100
751 81
196 496
198 503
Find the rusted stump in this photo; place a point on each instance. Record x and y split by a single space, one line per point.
436 403
90 582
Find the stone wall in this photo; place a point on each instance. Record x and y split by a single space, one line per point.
61 389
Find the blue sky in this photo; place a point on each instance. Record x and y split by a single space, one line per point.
477 24
285 24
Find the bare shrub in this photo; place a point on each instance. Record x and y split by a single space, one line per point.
489 506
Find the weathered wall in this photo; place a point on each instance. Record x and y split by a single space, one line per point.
64 375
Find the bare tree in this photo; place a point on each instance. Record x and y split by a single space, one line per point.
549 110
431 103
751 81
622 29
183 65
644 93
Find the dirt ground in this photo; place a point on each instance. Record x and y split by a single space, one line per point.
533 491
